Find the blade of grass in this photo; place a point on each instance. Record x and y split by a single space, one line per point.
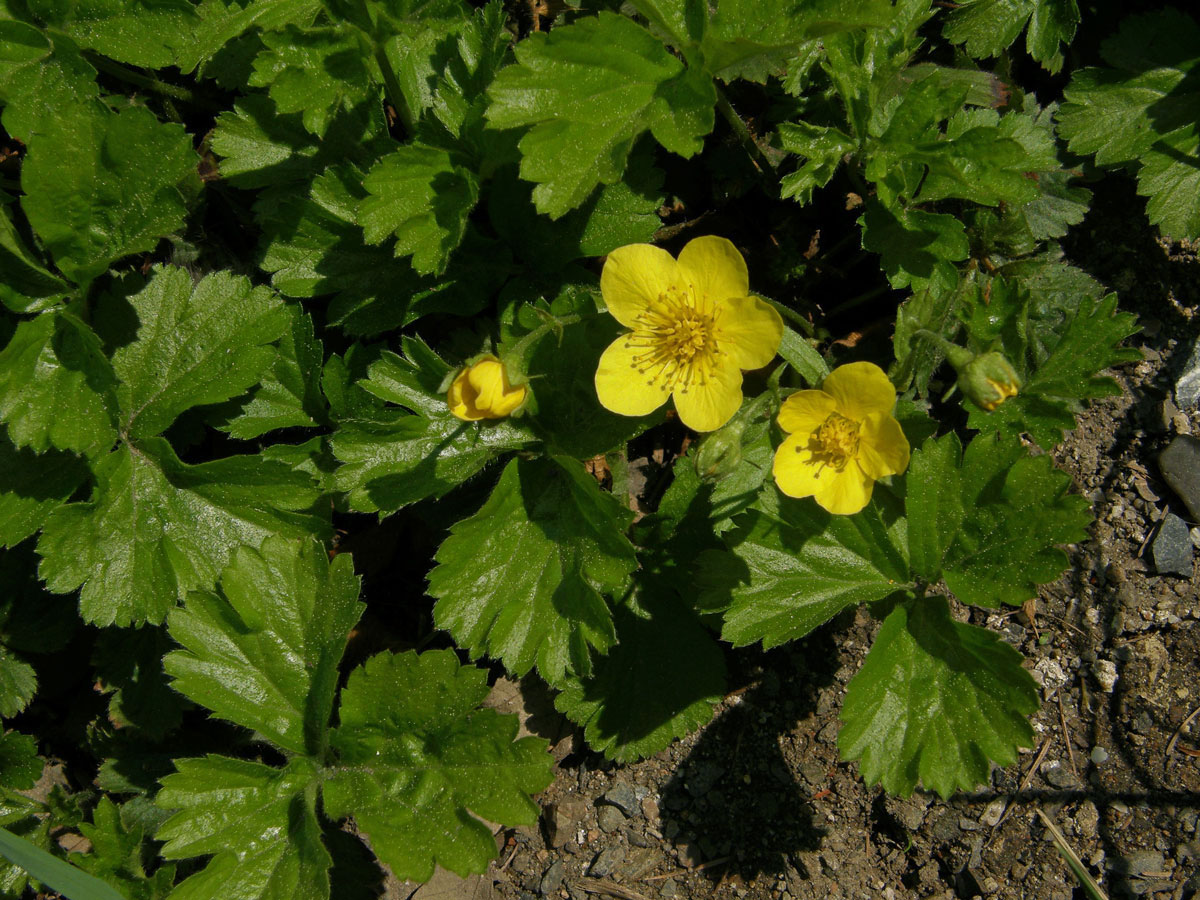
54 873
1074 862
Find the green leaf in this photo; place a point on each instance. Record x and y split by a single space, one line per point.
663 646
196 344
157 528
57 388
803 357
20 765
51 871
422 197
1017 513
116 855
139 32
989 27
822 149
26 286
421 764
588 90
917 249
523 580
781 578
264 653
1052 390
100 186
933 503
396 457
289 394
1170 178
18 684
222 21
935 700
312 71
42 78
259 823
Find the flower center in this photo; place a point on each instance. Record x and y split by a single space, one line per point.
835 442
675 339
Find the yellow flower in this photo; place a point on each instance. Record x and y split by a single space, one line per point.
693 328
840 439
482 391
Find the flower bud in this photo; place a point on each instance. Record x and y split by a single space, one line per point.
988 380
721 451
482 391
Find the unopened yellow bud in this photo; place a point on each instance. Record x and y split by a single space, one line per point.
988 380
482 391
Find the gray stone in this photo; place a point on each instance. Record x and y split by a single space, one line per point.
1099 755
563 819
610 819
1058 775
606 861
701 777
621 796
1187 388
1140 864
669 890
1180 465
552 878
1172 548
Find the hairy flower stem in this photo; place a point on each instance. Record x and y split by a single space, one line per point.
129 76
760 160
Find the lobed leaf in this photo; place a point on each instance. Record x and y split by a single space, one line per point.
933 503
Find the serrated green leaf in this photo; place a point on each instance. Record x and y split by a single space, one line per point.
934 702
157 528
523 580
139 32
588 90
42 77
420 764
100 186
1170 178
289 394
57 388
933 503
916 248
26 286
18 683
822 149
54 873
259 822
660 642
1018 512
396 458
422 197
197 343
1053 390
313 71
115 856
264 653
781 578
989 27
221 21
20 765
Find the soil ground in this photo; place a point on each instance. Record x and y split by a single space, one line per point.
758 805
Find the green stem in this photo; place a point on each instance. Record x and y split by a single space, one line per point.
552 323
790 315
958 356
129 76
760 160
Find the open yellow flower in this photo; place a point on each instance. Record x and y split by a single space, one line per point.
482 391
840 439
693 328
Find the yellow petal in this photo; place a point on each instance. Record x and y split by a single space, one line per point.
749 329
709 405
715 268
634 276
860 388
846 492
621 388
794 469
805 411
460 398
882 447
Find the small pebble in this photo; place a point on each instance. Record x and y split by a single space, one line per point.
622 796
1099 755
1106 674
606 861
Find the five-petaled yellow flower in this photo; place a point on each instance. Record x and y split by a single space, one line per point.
482 391
841 439
693 328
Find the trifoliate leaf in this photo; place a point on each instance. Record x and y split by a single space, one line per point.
26 286
289 394
264 653
221 21
935 701
196 344
989 27
116 855
1018 512
101 185
933 503
660 642
822 149
20 765
57 388
421 196
396 457
157 528
259 823
18 683
523 580
42 77
421 764
781 578
1052 390
312 71
139 32
916 248
588 90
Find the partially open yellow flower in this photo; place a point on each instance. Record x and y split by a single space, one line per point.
840 439
694 328
482 391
